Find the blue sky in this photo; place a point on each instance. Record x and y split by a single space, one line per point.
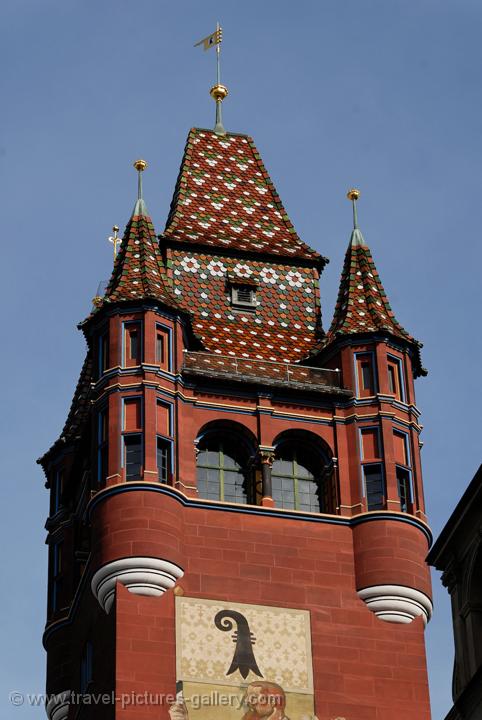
381 94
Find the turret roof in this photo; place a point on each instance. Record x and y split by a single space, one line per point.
362 305
224 198
139 270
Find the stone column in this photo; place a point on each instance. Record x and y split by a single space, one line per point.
265 459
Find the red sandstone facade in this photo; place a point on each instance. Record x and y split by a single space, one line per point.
179 372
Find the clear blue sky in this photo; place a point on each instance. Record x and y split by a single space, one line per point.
381 94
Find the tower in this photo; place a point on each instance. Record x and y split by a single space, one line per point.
236 497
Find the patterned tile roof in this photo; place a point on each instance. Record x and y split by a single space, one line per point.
79 410
139 271
362 305
283 327
225 198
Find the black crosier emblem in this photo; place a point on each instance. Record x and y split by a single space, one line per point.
243 658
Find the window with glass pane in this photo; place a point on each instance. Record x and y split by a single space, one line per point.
58 490
159 348
163 460
86 666
395 381
102 446
56 575
103 353
295 477
133 456
221 471
132 344
374 488
404 493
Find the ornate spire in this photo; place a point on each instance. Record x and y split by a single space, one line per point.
140 206
362 305
218 91
356 236
139 270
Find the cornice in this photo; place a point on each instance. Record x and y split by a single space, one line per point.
258 510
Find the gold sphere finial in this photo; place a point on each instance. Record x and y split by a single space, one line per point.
115 228
218 92
353 194
140 165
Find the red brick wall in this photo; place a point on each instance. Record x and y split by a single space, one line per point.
363 667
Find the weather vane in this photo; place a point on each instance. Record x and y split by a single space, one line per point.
115 240
218 91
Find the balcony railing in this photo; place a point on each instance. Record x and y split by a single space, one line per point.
200 363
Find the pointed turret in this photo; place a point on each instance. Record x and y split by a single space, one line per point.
139 270
362 305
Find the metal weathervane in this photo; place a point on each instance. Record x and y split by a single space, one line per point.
218 91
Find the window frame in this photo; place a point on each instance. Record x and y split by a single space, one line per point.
137 432
361 431
167 334
405 468
393 360
103 351
86 666
381 467
362 392
126 437
56 574
102 444
58 490
235 287
221 471
168 444
296 444
125 354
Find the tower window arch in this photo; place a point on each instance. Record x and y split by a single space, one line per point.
223 465
302 474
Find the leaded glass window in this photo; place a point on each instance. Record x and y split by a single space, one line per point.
295 478
221 470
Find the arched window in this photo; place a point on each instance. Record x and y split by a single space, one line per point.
301 474
223 466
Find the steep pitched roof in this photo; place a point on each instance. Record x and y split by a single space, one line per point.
362 305
225 198
139 271
78 412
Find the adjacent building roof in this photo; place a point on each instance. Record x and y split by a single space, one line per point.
224 198
362 305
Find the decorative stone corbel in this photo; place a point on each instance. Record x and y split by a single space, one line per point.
58 705
397 603
140 575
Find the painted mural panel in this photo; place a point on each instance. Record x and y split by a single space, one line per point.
240 662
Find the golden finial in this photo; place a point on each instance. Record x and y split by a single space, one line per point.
140 166
353 195
218 92
115 240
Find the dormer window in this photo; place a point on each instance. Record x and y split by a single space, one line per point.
243 295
